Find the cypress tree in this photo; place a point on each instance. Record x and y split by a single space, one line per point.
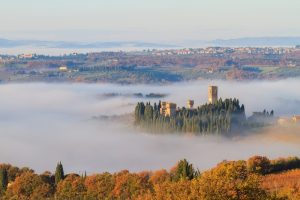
3 180
185 170
59 173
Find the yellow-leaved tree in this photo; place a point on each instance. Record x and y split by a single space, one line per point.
230 181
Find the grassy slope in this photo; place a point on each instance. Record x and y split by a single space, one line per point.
285 184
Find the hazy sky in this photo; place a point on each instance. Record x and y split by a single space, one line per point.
148 20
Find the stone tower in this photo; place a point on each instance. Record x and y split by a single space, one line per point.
212 94
190 104
168 109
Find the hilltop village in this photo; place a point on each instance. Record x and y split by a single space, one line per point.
217 116
169 109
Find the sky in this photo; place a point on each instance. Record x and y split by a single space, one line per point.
147 20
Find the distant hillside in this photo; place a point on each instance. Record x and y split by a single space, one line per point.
238 42
5 43
11 43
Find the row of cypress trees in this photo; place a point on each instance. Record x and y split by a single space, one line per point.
220 117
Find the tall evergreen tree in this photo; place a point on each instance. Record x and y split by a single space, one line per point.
185 170
59 173
3 180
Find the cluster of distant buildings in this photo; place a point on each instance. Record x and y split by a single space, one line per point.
63 68
169 109
27 56
289 120
226 50
192 51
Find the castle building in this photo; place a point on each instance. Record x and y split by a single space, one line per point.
284 121
63 68
163 108
289 120
212 94
168 109
296 119
190 104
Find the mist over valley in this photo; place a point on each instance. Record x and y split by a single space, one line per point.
42 123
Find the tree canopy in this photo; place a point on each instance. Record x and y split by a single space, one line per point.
59 173
229 180
222 117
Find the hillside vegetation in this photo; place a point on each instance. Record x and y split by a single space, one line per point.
253 179
222 117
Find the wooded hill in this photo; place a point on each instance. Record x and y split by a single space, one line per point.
224 116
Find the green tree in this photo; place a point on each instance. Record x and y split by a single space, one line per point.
148 112
185 170
3 180
59 173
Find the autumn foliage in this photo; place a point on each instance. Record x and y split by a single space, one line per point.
233 180
284 185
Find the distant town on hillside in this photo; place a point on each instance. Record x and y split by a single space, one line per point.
155 66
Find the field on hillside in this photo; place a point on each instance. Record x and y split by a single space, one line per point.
285 184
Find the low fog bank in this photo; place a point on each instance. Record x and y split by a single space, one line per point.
41 124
